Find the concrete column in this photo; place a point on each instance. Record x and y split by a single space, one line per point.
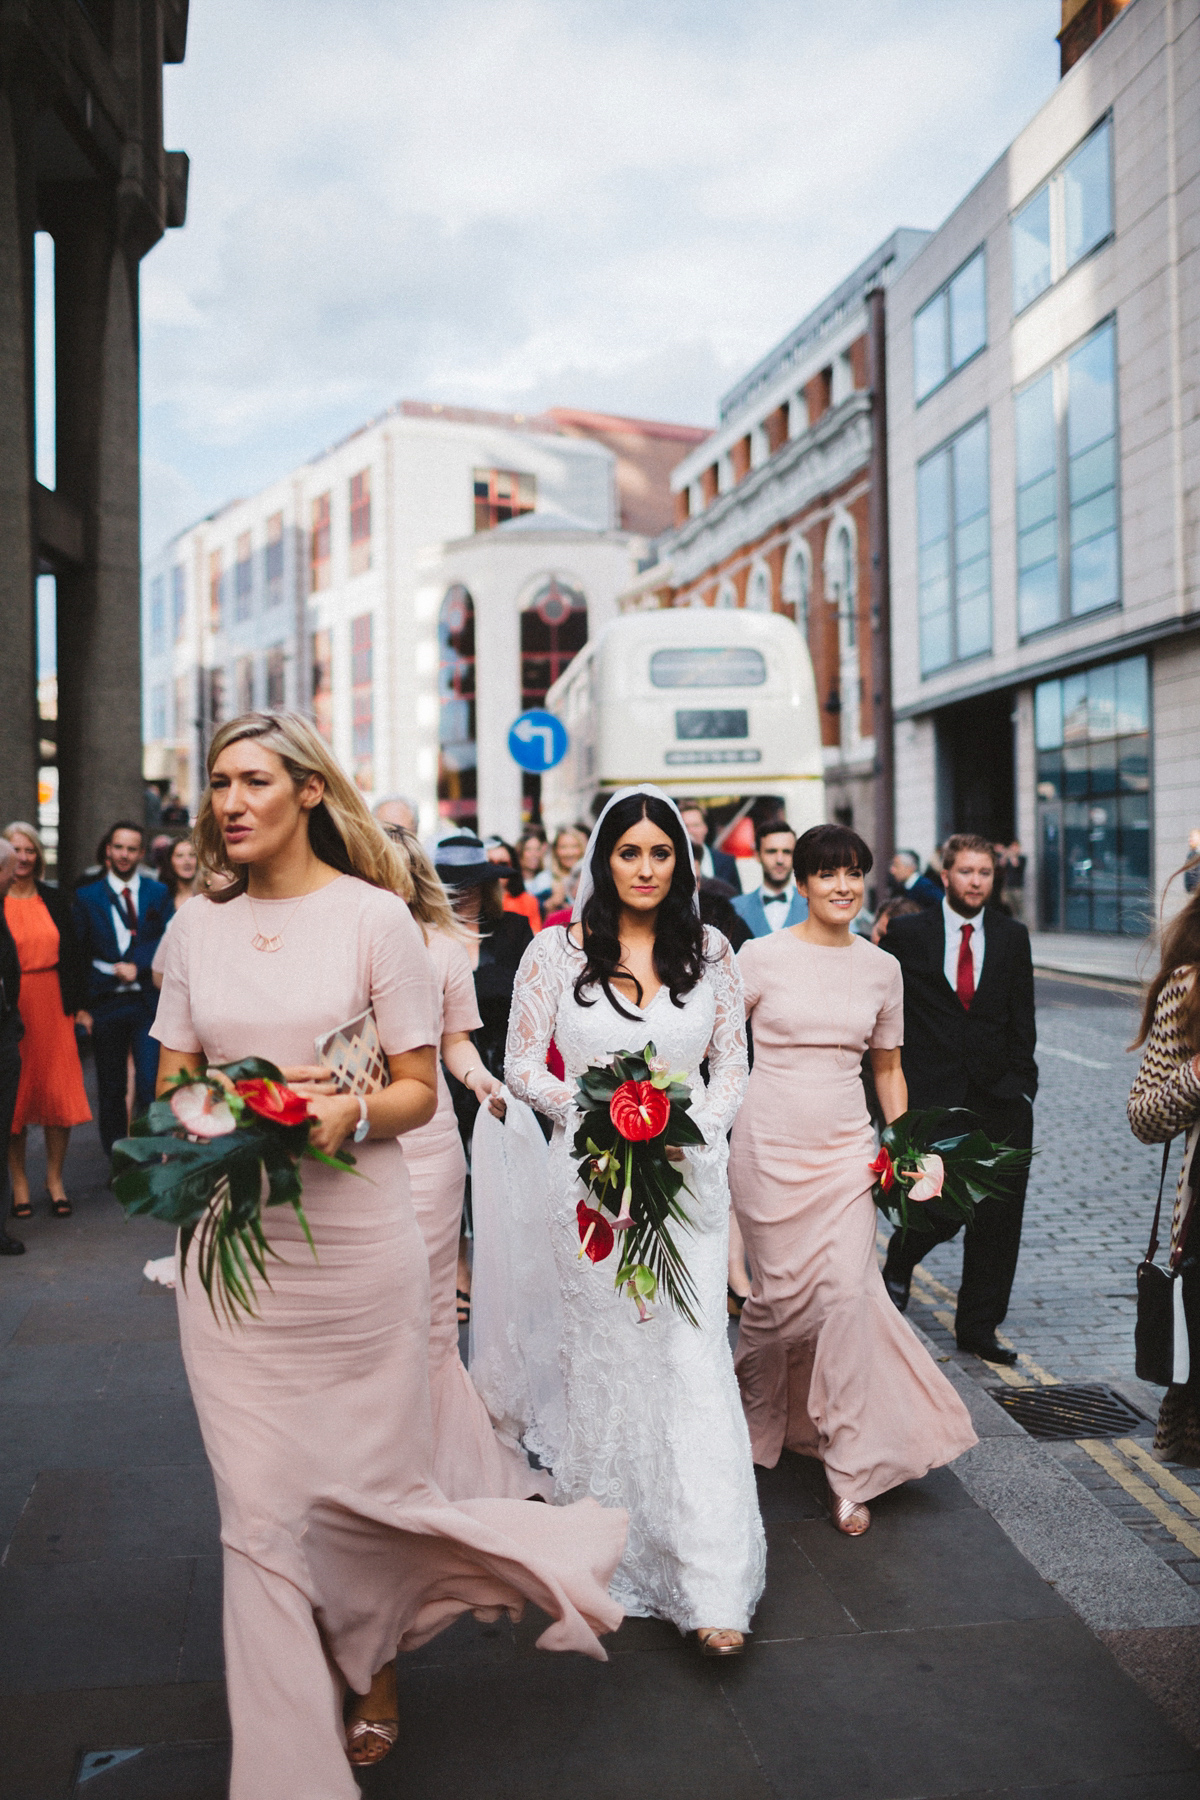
497 704
99 636
18 664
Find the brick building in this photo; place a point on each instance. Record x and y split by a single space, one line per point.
775 512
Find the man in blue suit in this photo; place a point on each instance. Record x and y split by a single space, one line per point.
776 903
119 921
905 871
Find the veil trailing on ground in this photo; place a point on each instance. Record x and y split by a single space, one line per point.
583 892
516 1302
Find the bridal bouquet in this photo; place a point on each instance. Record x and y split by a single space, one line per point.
926 1172
208 1156
635 1108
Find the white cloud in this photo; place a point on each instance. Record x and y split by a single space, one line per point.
513 202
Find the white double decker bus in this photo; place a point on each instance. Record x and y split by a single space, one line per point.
718 706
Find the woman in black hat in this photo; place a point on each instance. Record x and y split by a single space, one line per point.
497 943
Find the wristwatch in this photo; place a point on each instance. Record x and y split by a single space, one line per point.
364 1124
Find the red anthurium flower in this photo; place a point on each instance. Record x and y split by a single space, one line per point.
270 1101
595 1233
639 1110
884 1167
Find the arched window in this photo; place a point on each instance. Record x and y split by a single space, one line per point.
842 585
457 789
553 631
797 582
758 589
726 596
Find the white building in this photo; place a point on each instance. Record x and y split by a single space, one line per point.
1043 361
321 592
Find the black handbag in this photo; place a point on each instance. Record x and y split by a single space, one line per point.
1160 1292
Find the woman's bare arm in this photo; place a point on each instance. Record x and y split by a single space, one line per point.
890 1084
463 1061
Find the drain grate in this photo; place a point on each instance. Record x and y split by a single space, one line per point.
1070 1412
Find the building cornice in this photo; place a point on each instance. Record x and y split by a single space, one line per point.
798 473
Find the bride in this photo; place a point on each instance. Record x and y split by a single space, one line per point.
653 1418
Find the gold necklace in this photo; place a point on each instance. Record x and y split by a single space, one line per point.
269 942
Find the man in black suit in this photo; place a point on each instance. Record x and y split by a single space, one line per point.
969 1038
11 1033
715 865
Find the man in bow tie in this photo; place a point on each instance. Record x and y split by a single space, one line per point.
969 1039
776 903
119 920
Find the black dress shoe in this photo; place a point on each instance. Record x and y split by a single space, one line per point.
10 1246
989 1349
897 1289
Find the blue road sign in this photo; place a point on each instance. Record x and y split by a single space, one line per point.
537 741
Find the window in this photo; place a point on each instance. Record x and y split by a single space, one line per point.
954 564
457 787
178 602
726 600
841 585
215 589
360 522
158 712
185 706
553 631
243 675
951 327
322 683
797 582
214 682
1068 553
273 562
1068 217
758 591
243 579
157 621
319 545
276 678
1092 733
719 667
362 689
502 494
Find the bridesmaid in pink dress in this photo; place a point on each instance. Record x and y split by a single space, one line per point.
469 1460
339 1547
826 1364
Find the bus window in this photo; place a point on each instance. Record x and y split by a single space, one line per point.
739 666
711 722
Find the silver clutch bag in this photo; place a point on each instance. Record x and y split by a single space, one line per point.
354 1054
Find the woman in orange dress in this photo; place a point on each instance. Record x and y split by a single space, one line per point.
53 991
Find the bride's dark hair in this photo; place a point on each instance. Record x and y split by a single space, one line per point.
678 933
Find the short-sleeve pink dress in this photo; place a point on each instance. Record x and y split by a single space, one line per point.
338 1545
469 1460
826 1364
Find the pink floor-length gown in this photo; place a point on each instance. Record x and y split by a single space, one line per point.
469 1460
338 1545
827 1365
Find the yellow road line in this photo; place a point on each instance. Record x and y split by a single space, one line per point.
1170 1484
1142 1492
1037 1375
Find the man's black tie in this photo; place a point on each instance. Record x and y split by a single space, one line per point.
774 899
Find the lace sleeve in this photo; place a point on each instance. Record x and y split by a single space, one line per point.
728 1069
536 993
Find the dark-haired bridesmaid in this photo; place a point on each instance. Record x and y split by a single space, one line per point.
827 1366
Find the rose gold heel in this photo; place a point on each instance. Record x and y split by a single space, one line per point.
851 1516
717 1640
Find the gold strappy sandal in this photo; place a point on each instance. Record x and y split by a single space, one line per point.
719 1640
368 1741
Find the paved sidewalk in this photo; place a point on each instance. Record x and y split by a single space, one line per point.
1126 961
933 1658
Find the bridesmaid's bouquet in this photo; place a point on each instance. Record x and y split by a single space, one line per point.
927 1174
634 1109
207 1156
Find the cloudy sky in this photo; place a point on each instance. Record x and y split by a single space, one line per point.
616 204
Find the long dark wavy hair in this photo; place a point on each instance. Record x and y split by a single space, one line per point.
1180 949
678 933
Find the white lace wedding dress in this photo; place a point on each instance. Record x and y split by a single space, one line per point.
654 1421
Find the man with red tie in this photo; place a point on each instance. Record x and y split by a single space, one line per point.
969 1039
119 920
